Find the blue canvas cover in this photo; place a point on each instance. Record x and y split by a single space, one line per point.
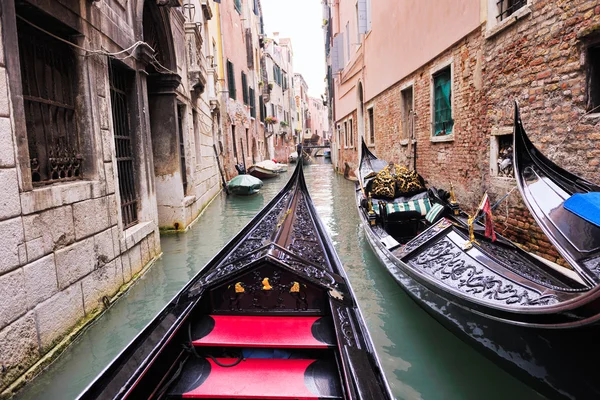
587 206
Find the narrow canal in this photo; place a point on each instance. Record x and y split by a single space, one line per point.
421 359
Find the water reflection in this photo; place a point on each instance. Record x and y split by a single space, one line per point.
421 359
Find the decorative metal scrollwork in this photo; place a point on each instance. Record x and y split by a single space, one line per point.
346 327
446 262
305 242
424 237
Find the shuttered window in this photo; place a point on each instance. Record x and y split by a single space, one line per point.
238 6
244 88
231 79
442 94
252 102
261 109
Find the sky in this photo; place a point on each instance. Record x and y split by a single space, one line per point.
302 21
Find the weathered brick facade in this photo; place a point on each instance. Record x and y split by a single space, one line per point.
537 57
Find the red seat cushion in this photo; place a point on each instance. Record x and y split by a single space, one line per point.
264 331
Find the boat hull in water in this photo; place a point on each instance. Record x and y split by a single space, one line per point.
525 315
272 315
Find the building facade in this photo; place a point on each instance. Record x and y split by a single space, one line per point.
281 108
110 122
302 112
243 132
443 104
319 120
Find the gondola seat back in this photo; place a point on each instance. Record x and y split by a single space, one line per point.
268 289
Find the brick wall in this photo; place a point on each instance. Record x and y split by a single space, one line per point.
538 60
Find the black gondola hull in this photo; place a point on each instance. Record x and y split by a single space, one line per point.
536 356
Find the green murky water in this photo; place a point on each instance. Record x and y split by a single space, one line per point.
421 359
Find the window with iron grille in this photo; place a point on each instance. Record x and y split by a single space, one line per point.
244 88
238 6
48 72
252 102
120 89
231 79
506 8
442 106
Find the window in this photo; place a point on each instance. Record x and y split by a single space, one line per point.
406 96
501 153
244 88
252 102
120 90
197 136
273 110
238 6
351 138
506 8
345 134
234 143
371 126
593 81
442 102
182 164
231 79
348 40
48 76
261 109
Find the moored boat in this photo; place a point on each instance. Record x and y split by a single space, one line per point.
265 169
244 185
565 206
327 153
272 316
523 312
293 157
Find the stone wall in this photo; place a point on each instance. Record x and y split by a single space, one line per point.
65 252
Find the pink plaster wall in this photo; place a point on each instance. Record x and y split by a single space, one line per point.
234 43
405 35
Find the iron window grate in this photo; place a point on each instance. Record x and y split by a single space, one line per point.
506 8
47 73
119 87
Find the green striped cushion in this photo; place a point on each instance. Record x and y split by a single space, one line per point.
376 208
434 213
421 205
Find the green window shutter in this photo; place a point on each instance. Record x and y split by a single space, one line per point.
238 6
442 93
252 102
244 88
261 108
231 79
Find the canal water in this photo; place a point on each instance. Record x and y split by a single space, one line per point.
422 360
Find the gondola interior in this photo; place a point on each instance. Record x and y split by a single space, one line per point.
272 316
266 333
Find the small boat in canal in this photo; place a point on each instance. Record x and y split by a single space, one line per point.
266 169
271 316
293 157
529 315
327 153
244 185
